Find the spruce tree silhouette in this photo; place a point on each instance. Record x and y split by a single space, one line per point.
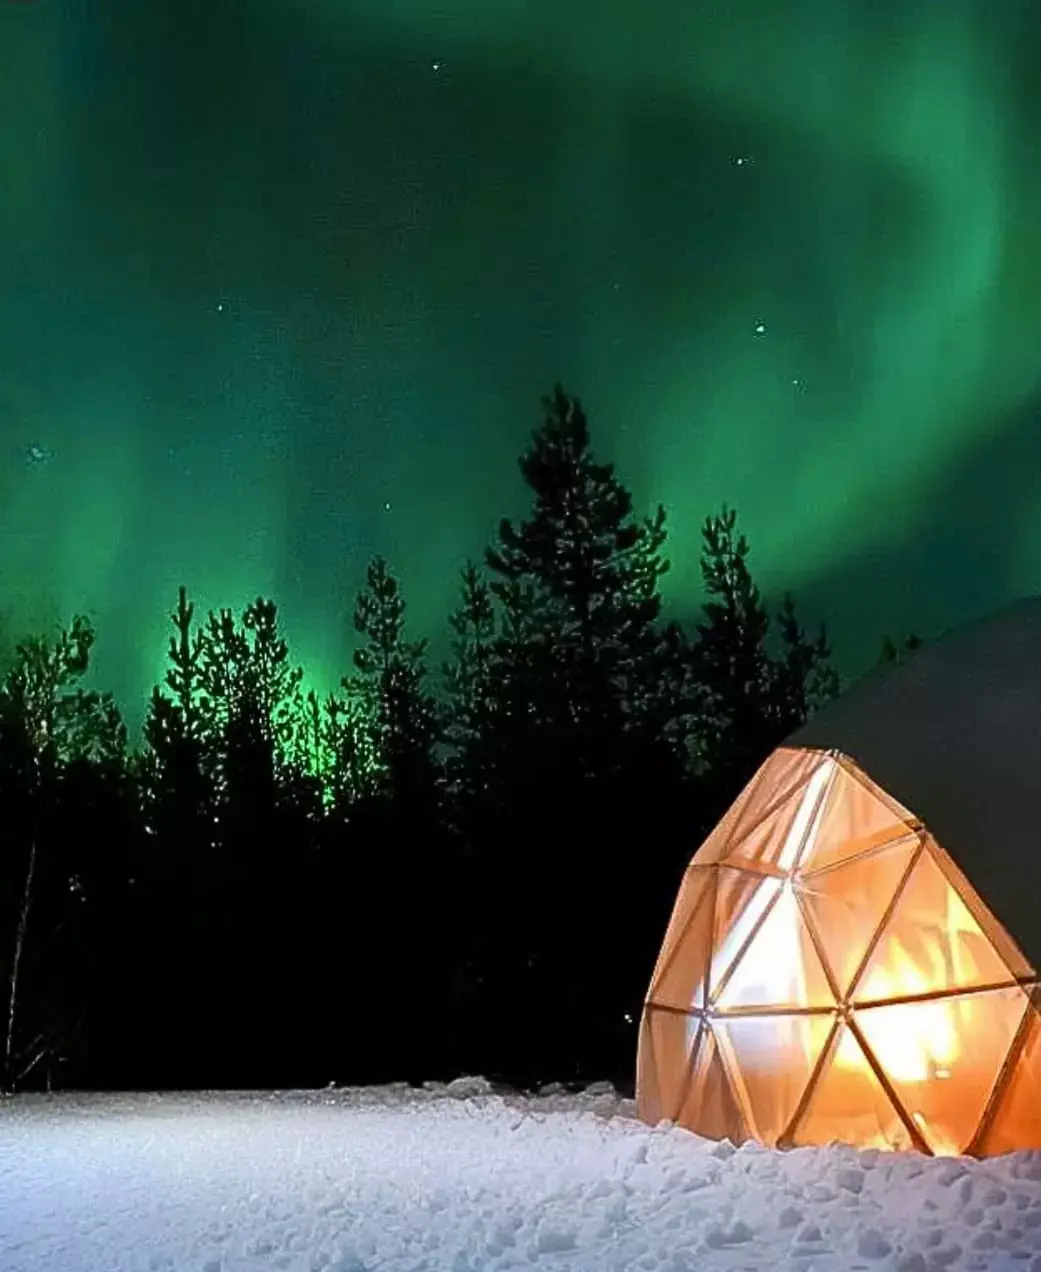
574 674
62 758
390 687
750 697
397 882
804 678
234 814
467 686
252 705
174 939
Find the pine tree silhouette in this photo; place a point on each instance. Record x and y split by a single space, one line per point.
577 742
750 698
396 879
62 787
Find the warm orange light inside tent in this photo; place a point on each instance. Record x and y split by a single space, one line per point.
923 1043
924 1046
928 1040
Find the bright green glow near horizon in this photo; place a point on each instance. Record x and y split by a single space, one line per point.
282 290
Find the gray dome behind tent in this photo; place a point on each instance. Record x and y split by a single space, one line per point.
955 735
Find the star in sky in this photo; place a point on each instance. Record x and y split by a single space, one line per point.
36 455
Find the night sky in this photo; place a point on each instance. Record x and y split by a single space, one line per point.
282 282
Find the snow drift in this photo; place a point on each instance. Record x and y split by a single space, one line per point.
462 1179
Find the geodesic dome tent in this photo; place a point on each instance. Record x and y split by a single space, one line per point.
853 951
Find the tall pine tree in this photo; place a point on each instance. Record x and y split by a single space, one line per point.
804 677
576 745
65 795
390 687
228 793
396 877
177 772
592 571
750 696
467 683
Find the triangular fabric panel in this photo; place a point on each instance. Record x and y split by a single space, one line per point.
931 944
771 840
711 1107
743 900
849 1103
667 1040
774 786
857 817
682 972
1008 951
771 1060
847 903
777 841
648 1094
781 967
942 1058
1015 1123
692 889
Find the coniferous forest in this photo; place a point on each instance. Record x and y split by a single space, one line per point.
439 869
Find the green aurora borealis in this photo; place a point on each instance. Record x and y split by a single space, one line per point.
281 284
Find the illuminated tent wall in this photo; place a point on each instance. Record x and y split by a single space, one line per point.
852 953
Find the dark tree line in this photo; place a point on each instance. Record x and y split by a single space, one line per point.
433 870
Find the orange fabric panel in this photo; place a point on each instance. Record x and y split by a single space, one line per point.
777 781
930 944
857 817
682 971
847 903
1008 951
711 1107
942 1058
781 967
768 842
849 1103
771 1060
648 1095
667 1041
742 902
1016 1121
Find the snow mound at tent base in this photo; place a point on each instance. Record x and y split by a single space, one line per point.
462 1179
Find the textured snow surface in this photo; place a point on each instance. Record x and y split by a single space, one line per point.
460 1179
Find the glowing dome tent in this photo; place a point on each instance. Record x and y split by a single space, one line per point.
853 951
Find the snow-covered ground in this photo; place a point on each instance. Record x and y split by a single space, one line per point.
360 1181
